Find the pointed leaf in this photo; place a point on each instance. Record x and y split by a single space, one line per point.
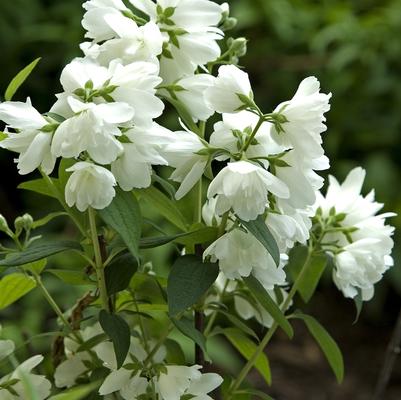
312 273
260 294
77 393
326 343
19 79
259 229
40 186
13 287
119 333
165 206
248 348
38 251
188 281
187 328
124 216
119 272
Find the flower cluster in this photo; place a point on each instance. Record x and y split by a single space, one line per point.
359 240
18 383
137 376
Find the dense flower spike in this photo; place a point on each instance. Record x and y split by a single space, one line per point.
361 241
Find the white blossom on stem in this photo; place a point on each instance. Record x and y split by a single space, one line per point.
32 141
89 186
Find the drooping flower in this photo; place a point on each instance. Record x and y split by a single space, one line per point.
32 141
133 169
301 120
190 91
362 241
134 84
239 254
131 43
177 381
93 128
190 32
244 187
94 18
24 378
89 186
182 155
230 89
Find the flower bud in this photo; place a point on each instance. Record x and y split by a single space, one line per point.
3 224
238 47
25 222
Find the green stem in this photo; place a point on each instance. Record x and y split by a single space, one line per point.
101 282
254 132
213 317
251 362
55 307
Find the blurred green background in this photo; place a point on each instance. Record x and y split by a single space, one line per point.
353 47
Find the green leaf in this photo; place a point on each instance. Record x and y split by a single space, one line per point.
260 294
72 277
188 281
326 343
45 220
119 272
183 112
63 175
40 186
253 392
239 324
119 333
38 251
187 328
19 79
199 236
313 270
3 136
166 207
124 216
77 393
248 348
36 267
259 229
175 354
13 287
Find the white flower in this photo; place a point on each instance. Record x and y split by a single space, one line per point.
131 43
363 239
189 166
301 178
244 187
191 94
229 86
94 18
25 379
30 142
233 131
133 169
304 115
199 388
89 186
134 84
247 310
94 128
173 383
190 33
129 384
239 254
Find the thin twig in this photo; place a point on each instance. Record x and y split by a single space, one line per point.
393 351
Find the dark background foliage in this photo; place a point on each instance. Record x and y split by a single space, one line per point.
353 47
